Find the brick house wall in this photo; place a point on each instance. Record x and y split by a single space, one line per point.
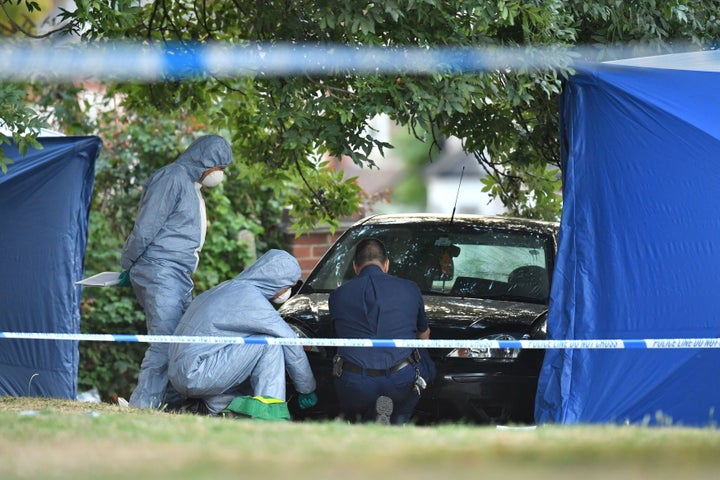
310 247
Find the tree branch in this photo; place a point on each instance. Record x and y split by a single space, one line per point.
20 29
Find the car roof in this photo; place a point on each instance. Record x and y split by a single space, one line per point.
467 219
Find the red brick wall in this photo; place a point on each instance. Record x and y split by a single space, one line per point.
310 247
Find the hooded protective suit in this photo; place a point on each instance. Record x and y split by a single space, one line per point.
240 307
161 253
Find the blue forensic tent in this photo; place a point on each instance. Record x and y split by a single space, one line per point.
639 251
44 206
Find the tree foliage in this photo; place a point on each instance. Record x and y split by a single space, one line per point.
286 125
283 128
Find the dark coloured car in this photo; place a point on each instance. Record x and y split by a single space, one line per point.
482 277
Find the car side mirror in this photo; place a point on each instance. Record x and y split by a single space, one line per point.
295 288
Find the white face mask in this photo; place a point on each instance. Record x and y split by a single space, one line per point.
282 298
213 179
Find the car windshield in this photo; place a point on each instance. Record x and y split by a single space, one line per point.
459 260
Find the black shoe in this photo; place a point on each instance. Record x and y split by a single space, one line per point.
383 408
194 406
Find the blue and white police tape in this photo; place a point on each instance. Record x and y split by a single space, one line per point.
119 61
647 343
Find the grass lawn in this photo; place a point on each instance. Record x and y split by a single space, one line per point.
56 439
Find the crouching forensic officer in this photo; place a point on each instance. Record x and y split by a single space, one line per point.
382 384
215 373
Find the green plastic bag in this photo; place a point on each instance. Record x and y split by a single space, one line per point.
258 407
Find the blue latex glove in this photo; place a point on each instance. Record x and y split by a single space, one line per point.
307 400
124 279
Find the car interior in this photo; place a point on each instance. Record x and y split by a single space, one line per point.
469 265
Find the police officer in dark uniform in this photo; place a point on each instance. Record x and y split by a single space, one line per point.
377 382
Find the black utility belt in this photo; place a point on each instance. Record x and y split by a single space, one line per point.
341 365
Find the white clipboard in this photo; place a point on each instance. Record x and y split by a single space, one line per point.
103 279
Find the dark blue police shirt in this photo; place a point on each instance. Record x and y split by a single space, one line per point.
377 305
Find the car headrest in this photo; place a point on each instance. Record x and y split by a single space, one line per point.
530 281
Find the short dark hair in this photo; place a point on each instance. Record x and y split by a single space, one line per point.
370 250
